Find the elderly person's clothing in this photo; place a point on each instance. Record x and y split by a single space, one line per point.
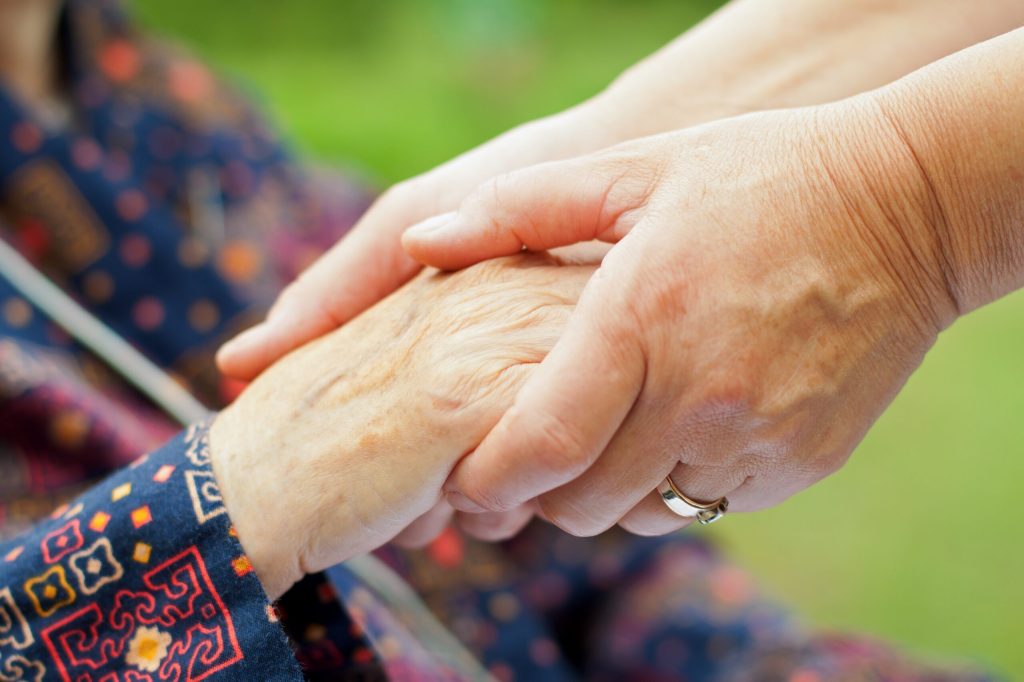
167 209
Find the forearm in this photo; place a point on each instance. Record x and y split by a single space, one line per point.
961 121
765 54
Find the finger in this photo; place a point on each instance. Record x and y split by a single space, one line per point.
652 440
496 526
365 266
622 478
566 413
427 527
537 208
651 516
635 460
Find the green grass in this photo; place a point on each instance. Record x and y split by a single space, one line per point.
892 544
399 87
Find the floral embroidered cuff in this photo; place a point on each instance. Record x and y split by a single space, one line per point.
140 579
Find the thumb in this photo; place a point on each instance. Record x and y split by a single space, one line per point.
537 208
364 267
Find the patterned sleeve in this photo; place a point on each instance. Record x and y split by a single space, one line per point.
140 579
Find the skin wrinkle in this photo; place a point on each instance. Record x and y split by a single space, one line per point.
574 518
920 277
406 389
494 187
620 220
979 201
918 219
467 339
937 217
326 383
871 237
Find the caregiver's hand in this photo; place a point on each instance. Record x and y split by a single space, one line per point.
776 279
346 441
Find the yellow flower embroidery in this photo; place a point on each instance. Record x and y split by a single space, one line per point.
148 648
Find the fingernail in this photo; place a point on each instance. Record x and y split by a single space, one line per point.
431 226
247 339
461 503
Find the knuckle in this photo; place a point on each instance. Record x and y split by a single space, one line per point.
558 444
827 463
289 297
485 197
307 294
495 201
498 189
664 301
729 397
472 292
402 205
400 192
571 518
486 497
781 439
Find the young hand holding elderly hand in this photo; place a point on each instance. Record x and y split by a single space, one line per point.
776 278
774 282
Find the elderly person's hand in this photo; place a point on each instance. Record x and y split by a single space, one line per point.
346 441
777 278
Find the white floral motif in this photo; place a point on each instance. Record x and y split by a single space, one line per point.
206 499
197 439
95 566
14 630
147 649
20 669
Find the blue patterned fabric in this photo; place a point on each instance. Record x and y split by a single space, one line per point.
139 579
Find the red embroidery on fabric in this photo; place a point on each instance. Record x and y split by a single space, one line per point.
176 630
61 542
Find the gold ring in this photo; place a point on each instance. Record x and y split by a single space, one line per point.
704 512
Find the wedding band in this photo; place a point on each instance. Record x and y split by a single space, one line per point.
704 512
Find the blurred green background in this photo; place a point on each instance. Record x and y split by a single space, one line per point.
916 539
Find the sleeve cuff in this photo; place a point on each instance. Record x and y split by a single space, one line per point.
143 577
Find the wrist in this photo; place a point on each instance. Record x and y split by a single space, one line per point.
250 506
965 145
896 211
